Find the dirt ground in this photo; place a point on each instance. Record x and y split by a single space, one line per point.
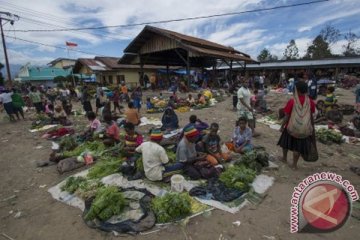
24 188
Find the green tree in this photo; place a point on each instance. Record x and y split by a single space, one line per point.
318 49
291 51
266 56
330 34
350 48
1 76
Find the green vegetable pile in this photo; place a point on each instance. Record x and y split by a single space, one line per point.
171 207
255 160
109 201
171 156
68 143
96 146
81 186
328 136
238 177
105 167
73 183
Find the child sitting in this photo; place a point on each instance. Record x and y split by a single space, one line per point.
112 132
330 99
154 157
211 145
242 136
95 124
132 141
172 103
60 115
190 100
201 99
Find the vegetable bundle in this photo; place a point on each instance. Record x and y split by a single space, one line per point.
68 143
328 136
72 184
171 207
95 146
81 186
104 168
107 203
238 177
255 160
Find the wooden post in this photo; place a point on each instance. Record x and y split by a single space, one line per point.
141 77
167 74
230 72
188 67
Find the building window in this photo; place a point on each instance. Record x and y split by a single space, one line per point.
120 78
111 79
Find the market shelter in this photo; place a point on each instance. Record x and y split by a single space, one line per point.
163 47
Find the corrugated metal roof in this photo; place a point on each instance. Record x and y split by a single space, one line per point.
302 63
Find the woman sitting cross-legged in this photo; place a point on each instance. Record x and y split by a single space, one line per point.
242 136
169 120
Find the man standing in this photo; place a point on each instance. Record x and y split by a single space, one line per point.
244 106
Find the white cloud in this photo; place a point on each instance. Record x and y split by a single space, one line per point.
19 57
250 35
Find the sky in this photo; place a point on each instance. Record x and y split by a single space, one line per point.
249 33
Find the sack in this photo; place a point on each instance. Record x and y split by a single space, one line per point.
313 154
300 125
68 164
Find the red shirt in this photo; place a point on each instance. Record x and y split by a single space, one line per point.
113 131
290 104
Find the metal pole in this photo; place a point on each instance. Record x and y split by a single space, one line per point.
5 53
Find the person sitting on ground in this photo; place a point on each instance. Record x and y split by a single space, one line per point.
169 120
149 105
190 100
60 115
154 157
198 124
183 88
132 141
112 131
186 150
132 115
242 136
161 97
201 99
95 124
18 104
172 103
334 115
330 98
211 145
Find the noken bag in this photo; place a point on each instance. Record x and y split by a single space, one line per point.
300 120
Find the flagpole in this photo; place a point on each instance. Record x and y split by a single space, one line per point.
71 72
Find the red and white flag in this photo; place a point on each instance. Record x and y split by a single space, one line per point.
71 44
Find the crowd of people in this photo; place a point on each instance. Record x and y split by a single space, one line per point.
199 144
